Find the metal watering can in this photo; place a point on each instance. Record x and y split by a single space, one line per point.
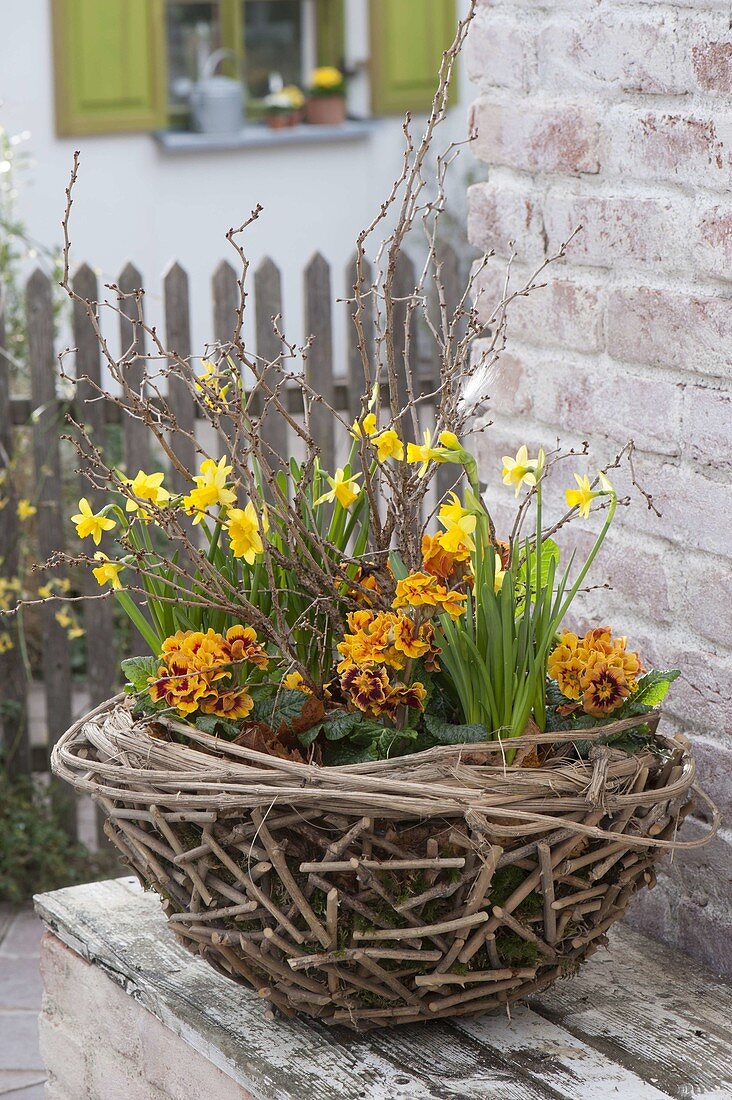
217 102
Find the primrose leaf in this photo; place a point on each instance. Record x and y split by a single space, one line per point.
282 709
137 670
653 687
216 726
447 734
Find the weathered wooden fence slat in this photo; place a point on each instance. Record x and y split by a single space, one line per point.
51 521
180 399
101 650
268 306
132 340
319 363
14 738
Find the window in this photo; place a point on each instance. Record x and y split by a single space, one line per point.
264 40
127 65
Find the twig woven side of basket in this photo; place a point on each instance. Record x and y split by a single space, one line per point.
382 893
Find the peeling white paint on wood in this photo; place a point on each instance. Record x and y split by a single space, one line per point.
639 1023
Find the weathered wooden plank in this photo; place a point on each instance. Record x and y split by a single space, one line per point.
530 1057
657 1010
51 520
101 655
14 738
180 399
356 379
132 341
267 305
319 364
116 926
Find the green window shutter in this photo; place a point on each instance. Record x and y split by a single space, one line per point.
109 63
408 38
330 24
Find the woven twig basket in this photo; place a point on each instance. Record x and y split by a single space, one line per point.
440 884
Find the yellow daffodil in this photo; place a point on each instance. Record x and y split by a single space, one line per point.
75 632
25 509
6 643
459 526
343 489
108 572
581 497
424 453
499 579
450 441
209 381
210 489
245 531
388 445
522 470
146 487
64 619
368 426
45 592
89 523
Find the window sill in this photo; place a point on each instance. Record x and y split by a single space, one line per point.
259 136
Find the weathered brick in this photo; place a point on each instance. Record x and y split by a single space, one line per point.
564 313
696 511
707 426
711 59
669 329
641 52
63 1056
618 229
507 393
714 770
498 214
713 250
612 402
537 136
700 697
702 596
499 51
657 145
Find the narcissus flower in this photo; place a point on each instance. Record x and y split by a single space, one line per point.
108 572
581 497
210 382
424 453
442 563
366 427
210 489
343 489
522 470
88 523
6 642
388 445
245 529
146 487
25 509
459 524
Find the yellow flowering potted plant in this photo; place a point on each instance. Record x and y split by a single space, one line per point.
366 763
326 102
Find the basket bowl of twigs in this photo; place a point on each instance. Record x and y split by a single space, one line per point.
440 884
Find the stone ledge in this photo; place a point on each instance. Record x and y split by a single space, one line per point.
147 1021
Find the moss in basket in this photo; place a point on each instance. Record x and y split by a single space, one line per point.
515 951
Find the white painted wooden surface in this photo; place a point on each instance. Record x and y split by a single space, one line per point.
640 1022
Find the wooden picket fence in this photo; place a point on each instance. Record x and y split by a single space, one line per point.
43 415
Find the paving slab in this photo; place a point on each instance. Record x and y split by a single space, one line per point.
19 1048
22 938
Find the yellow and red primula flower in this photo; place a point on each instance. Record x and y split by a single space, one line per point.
200 671
444 564
597 670
366 688
423 590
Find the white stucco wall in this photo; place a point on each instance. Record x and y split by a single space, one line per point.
135 202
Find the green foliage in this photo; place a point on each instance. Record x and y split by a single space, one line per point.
36 853
495 656
138 670
447 733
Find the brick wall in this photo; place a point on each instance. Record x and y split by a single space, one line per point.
618 116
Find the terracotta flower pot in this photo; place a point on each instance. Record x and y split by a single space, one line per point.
326 110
